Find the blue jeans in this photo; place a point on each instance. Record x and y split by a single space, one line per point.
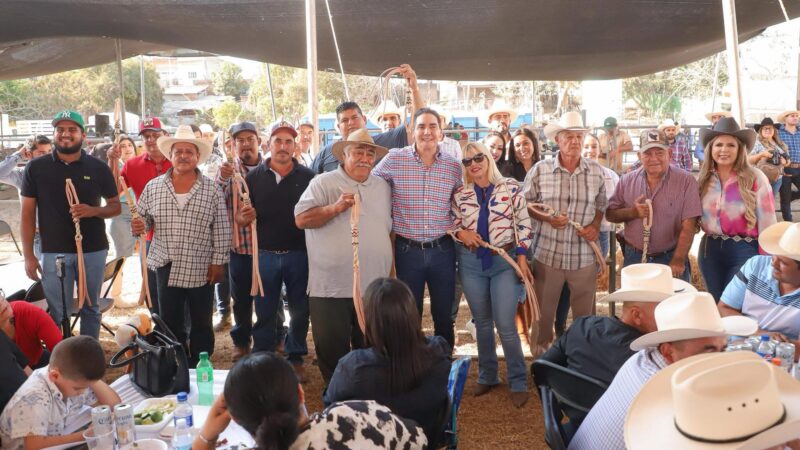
633 256
94 263
720 260
436 267
493 296
276 268
240 280
776 185
119 228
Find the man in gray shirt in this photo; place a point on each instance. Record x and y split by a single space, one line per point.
324 213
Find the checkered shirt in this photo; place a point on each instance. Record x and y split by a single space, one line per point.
228 189
191 238
420 195
579 195
681 153
792 141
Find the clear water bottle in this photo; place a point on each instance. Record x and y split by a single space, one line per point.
205 380
764 348
182 440
183 411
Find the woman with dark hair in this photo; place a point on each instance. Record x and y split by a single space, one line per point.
496 143
119 227
521 154
400 367
262 395
769 154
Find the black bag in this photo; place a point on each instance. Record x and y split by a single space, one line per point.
159 362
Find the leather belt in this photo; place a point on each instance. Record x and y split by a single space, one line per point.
794 166
650 255
736 238
423 245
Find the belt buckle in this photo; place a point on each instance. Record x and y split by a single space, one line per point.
279 252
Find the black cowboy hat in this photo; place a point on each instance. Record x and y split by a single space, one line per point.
729 127
766 121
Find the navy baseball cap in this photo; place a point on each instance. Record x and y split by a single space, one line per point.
243 126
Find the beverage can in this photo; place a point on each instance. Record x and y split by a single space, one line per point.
102 422
125 426
785 351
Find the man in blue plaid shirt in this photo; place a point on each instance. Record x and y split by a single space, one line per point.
791 173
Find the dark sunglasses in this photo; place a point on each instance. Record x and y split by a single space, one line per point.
477 158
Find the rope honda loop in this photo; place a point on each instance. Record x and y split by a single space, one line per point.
355 214
72 199
144 292
385 92
256 286
548 210
647 223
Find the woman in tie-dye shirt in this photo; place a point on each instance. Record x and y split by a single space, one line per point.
737 204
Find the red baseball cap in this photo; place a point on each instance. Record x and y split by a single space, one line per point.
151 124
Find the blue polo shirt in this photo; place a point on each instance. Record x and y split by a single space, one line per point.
754 292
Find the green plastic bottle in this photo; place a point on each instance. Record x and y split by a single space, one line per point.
205 380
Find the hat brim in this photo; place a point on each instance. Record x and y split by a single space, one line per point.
511 114
650 422
718 113
769 240
782 116
637 295
55 122
204 147
647 147
338 149
150 129
291 131
732 326
745 135
552 130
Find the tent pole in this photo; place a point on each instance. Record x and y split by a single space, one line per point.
311 57
716 82
734 67
141 83
271 93
118 48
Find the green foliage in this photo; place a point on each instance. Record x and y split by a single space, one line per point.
228 80
230 112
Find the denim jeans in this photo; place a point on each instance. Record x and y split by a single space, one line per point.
720 260
94 263
240 281
493 296
633 256
119 228
152 283
436 267
276 268
776 185
790 177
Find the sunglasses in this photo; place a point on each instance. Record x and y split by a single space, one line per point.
477 158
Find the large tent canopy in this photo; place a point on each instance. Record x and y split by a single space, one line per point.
443 39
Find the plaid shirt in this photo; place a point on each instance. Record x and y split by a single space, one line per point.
420 195
579 195
681 154
227 186
191 238
792 141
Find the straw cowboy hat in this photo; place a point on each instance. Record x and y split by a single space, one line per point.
647 283
718 113
729 127
669 123
184 133
690 316
731 400
571 121
387 108
360 136
781 239
782 116
499 106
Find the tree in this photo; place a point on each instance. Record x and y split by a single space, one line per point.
228 80
230 112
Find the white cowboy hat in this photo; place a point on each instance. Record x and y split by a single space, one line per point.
206 128
360 136
781 239
499 106
782 116
730 400
690 316
387 108
571 121
718 113
440 110
669 123
647 283
184 133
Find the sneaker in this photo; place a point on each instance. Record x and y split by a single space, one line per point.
471 328
224 321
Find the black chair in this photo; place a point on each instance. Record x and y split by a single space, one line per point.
105 303
554 434
572 394
19 295
5 228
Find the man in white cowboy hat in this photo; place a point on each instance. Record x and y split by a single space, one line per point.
675 197
276 186
767 288
500 117
388 115
575 188
713 117
324 212
688 324
191 239
791 173
350 118
716 401
678 145
614 143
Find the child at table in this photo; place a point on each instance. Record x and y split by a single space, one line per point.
37 414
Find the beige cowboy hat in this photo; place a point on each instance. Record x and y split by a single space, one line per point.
782 116
647 282
781 239
387 108
718 113
360 136
499 106
669 123
690 316
571 121
184 133
731 400
730 127
440 110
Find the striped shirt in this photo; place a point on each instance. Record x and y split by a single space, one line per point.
605 424
192 237
579 195
792 140
228 190
420 194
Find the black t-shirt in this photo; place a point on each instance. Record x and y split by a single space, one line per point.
45 180
274 203
12 361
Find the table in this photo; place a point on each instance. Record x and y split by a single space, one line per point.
13 278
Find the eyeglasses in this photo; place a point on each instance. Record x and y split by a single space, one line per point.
477 158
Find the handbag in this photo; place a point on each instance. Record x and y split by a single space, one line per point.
772 171
159 364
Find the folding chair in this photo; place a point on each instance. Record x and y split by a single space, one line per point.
105 303
455 390
5 228
554 435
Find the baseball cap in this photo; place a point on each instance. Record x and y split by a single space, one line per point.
281 124
610 122
653 138
305 120
72 116
243 126
150 124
